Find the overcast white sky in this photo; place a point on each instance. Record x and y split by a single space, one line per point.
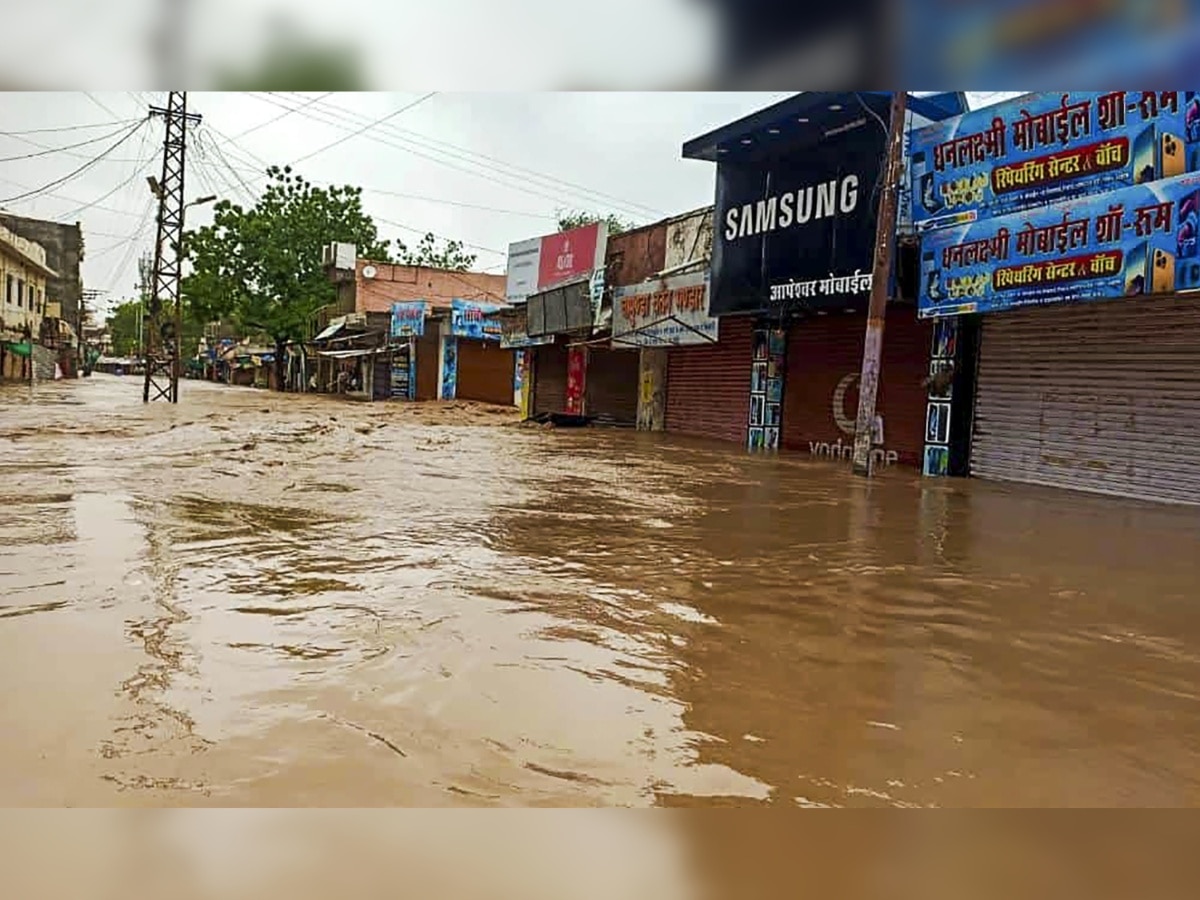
487 169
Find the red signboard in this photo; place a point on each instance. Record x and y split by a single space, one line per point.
568 254
576 373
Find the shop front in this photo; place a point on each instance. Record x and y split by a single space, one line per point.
1069 330
797 191
474 364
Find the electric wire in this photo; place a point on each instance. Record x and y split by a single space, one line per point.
76 172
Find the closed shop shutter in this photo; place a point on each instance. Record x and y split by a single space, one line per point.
429 361
1101 397
485 372
708 386
820 397
612 386
550 378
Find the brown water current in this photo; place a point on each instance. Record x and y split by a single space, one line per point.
263 600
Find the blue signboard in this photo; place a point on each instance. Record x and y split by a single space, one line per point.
1133 241
1048 148
408 319
475 320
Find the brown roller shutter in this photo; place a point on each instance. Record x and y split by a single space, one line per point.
485 372
550 378
612 386
824 359
428 362
708 387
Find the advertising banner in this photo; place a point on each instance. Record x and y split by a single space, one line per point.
799 231
514 333
1047 148
1133 241
408 318
475 320
540 263
667 313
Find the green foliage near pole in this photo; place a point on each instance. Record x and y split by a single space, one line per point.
123 328
571 218
451 255
260 268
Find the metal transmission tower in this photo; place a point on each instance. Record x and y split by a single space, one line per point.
161 334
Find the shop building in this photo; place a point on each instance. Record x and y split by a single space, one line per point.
1067 313
797 191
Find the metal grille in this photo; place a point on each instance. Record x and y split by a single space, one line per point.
1101 397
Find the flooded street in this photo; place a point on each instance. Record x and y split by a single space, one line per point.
267 600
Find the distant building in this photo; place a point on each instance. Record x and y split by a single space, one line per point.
23 279
63 247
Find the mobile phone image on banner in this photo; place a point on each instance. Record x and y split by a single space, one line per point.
1135 270
1172 158
1145 157
1162 272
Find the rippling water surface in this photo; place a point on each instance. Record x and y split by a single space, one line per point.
251 599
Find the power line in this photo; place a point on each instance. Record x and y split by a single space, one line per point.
89 95
68 128
79 171
524 188
48 150
284 115
373 124
426 140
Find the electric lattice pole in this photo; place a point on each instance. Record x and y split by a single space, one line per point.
161 334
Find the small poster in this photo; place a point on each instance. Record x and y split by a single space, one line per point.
937 461
757 439
771 438
756 411
937 423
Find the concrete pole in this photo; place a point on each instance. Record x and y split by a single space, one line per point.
885 238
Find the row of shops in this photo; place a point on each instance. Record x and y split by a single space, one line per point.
1041 327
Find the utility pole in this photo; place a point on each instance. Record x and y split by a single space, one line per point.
885 241
161 334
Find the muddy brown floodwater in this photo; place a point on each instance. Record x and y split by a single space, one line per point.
254 599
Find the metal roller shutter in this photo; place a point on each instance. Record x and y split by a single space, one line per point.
1101 397
550 378
825 352
485 372
612 386
708 387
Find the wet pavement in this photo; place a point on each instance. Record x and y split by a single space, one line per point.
264 600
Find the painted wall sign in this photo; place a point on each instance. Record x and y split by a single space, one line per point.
1047 148
670 312
807 218
408 318
1138 240
475 320
540 263
449 367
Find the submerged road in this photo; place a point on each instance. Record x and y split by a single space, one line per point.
256 599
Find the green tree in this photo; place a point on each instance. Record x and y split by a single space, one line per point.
452 254
573 218
260 268
123 328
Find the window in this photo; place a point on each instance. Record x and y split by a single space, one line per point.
20 293
8 297
32 298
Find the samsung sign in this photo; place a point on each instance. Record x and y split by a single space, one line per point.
798 231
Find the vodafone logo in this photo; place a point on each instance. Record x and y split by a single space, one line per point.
565 262
844 422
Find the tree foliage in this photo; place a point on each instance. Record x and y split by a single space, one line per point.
123 327
572 218
260 268
451 255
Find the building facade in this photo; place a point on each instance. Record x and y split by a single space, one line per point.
24 274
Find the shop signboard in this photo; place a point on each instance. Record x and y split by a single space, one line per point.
798 232
1047 148
408 318
514 333
1138 240
540 263
667 313
469 319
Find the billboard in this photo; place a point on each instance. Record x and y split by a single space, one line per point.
540 263
1047 148
1129 242
408 318
666 313
475 320
799 230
